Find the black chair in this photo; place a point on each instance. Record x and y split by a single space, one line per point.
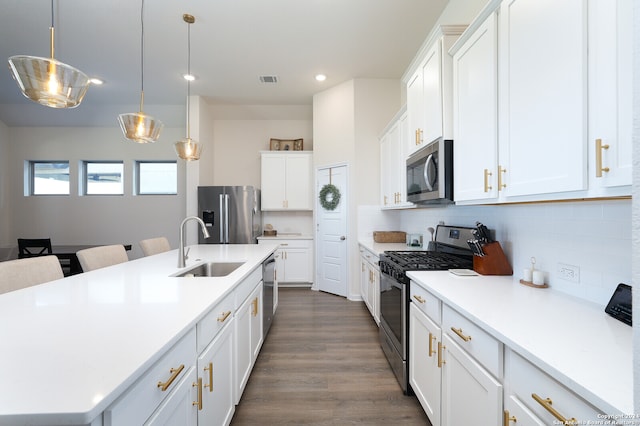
32 247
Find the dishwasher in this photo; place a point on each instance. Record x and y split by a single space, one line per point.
269 282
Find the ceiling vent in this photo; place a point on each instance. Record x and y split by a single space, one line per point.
268 78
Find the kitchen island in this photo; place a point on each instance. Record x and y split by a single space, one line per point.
71 347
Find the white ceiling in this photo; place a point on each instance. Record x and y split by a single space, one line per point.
233 42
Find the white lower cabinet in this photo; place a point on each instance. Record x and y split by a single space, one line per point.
370 282
533 397
424 369
248 326
178 408
215 370
470 395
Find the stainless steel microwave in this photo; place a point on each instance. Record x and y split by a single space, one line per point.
430 173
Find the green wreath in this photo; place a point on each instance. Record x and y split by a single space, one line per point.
329 197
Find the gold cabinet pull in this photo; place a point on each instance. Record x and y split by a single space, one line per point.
461 335
175 372
487 187
441 361
599 148
431 339
385 200
209 368
418 131
501 185
546 404
254 310
198 403
223 317
419 299
506 418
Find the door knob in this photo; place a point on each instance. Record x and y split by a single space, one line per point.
343 238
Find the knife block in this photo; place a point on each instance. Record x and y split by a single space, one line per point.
494 262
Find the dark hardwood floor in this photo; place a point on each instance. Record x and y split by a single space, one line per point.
321 364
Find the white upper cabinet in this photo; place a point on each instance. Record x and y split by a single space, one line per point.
475 115
429 88
286 181
543 97
393 177
554 79
610 106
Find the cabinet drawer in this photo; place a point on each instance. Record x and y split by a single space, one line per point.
245 288
145 395
209 326
370 257
526 380
477 342
426 302
285 244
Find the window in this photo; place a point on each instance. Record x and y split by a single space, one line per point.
49 177
103 178
157 177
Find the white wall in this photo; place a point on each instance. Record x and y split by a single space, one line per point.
76 219
5 211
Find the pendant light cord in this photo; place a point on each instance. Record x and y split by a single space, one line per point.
188 80
51 31
142 56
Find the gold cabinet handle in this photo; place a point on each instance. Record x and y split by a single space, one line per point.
431 339
385 200
506 418
441 361
458 331
254 311
223 317
419 299
487 187
599 148
501 185
546 404
418 138
209 368
198 403
175 372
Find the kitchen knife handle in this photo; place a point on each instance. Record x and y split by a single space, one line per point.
487 187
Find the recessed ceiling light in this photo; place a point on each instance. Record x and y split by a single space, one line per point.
96 81
321 77
189 77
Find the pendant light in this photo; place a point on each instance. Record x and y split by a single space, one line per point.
187 148
138 126
48 81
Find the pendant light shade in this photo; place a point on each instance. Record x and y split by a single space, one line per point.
187 148
137 126
48 81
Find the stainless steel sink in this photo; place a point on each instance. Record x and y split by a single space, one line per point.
211 269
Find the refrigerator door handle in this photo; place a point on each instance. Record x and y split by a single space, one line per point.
222 218
226 218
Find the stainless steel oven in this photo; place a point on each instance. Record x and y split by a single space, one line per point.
451 252
430 173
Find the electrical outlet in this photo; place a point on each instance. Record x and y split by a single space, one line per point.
569 272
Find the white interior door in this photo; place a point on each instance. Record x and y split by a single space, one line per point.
331 234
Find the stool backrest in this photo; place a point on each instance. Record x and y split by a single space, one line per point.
101 256
21 273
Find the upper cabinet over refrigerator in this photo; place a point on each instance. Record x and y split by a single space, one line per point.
231 214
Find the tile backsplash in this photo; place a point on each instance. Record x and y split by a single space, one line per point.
592 236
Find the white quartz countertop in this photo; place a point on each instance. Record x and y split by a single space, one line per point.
69 347
575 341
285 236
379 248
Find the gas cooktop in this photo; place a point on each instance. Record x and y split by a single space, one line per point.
427 260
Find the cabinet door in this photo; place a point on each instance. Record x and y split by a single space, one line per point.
424 372
386 185
610 82
297 265
432 93
273 175
215 368
415 111
256 322
543 71
243 351
298 182
516 413
364 279
475 115
178 409
470 395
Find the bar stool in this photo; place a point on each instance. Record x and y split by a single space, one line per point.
22 273
154 246
101 256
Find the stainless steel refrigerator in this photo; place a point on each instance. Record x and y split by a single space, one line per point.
231 214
